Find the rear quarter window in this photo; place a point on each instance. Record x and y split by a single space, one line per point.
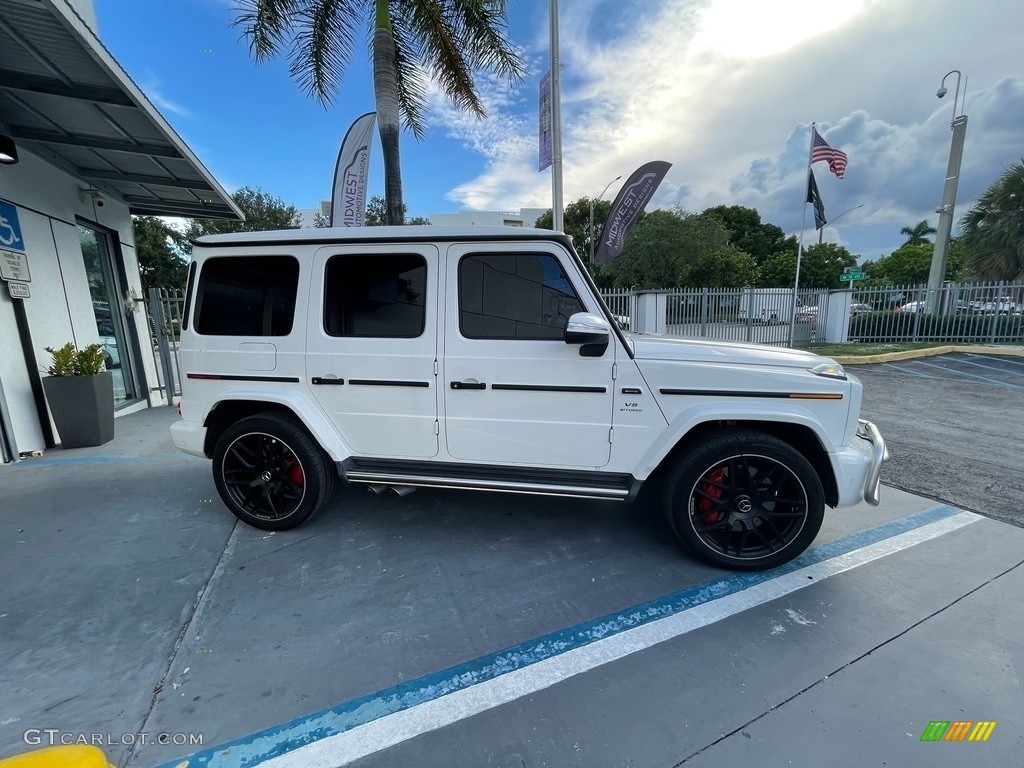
247 296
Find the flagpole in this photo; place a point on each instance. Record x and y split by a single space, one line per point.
800 247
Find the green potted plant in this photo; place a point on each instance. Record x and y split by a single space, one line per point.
80 393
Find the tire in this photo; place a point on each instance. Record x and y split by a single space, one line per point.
270 473
724 500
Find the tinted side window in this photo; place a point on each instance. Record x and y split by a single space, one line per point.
514 296
188 295
378 295
247 296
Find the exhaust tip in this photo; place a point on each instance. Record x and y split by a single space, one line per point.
376 489
401 490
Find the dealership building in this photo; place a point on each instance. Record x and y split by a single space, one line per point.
81 150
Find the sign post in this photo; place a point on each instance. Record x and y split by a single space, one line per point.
852 273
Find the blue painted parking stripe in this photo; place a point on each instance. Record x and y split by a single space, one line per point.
979 377
1001 359
989 367
279 740
37 463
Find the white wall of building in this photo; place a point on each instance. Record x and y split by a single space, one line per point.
50 205
527 217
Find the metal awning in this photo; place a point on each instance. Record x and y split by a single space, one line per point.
65 98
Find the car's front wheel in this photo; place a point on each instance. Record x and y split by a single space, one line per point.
744 500
270 472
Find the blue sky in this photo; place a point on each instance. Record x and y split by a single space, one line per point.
723 89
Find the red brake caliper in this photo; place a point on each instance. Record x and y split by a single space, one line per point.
706 506
295 472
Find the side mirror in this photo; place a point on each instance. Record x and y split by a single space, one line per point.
592 332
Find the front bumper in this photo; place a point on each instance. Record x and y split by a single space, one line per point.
190 437
858 466
879 455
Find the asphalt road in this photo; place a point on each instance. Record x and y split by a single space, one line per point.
955 429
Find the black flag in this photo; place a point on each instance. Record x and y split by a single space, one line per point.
634 196
814 198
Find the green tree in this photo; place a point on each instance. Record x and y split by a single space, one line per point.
160 250
820 267
376 213
919 233
262 211
413 42
320 221
663 245
992 231
576 223
726 267
910 264
760 239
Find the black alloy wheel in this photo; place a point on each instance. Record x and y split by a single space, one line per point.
745 500
270 473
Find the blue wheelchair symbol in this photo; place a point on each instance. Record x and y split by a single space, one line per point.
10 228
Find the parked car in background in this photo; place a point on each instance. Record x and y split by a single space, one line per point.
911 306
860 309
1003 306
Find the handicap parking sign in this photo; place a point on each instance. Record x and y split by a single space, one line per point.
10 228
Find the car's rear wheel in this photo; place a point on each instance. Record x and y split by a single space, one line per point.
270 473
744 500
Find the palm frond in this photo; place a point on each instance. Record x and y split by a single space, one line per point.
267 24
481 27
322 46
412 81
992 231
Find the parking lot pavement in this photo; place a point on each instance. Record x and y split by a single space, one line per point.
136 605
955 428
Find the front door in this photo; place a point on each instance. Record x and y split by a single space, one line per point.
106 292
514 391
372 346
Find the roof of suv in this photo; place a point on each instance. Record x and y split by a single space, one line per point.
390 234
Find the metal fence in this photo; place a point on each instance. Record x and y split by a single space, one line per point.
957 312
967 312
733 314
165 307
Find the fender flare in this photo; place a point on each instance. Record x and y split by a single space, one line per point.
303 408
693 417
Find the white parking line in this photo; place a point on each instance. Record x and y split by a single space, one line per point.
390 730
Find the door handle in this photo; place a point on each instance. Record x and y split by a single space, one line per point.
322 380
468 385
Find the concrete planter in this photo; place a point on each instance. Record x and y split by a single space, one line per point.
82 408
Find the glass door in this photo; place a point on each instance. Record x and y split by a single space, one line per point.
104 287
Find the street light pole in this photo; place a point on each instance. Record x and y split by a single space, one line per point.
821 231
557 212
592 204
937 273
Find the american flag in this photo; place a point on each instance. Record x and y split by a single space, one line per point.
835 158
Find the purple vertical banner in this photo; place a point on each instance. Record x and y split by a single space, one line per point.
545 127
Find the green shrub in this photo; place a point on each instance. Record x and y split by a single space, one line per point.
889 326
68 361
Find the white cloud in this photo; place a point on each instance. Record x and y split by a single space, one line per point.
691 83
152 87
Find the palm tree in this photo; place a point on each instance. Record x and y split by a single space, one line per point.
447 41
992 231
918 234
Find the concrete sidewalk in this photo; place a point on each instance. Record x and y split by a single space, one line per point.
104 554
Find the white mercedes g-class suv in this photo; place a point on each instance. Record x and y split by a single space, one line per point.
484 358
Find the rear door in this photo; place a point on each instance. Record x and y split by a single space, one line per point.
372 346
